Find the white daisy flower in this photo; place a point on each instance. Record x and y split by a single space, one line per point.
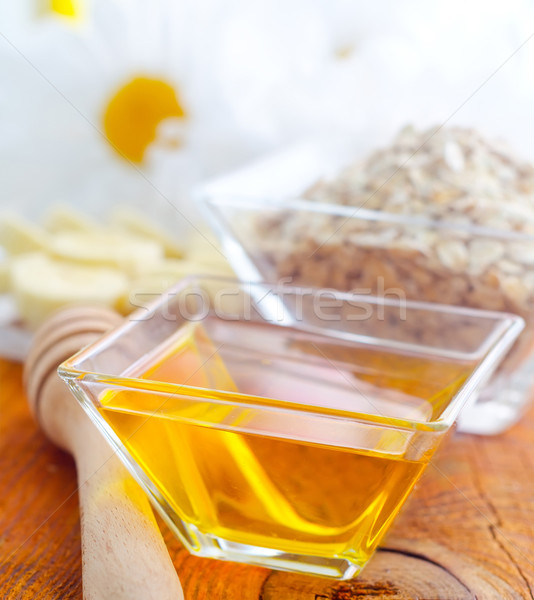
105 112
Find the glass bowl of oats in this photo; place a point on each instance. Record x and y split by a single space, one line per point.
440 216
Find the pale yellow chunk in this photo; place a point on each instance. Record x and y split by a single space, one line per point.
151 285
41 285
61 218
17 235
131 254
4 276
175 269
203 248
137 224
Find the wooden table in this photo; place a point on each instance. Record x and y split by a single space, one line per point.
467 532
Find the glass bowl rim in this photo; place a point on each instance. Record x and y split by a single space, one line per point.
500 339
300 204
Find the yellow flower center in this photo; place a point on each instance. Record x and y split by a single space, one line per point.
133 114
344 52
66 8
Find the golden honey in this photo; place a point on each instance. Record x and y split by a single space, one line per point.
225 478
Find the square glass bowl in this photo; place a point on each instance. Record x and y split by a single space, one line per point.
269 232
280 426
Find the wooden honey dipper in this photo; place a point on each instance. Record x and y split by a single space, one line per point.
123 553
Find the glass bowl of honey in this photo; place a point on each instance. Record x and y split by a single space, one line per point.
284 426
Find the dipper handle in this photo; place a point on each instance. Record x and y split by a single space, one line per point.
123 554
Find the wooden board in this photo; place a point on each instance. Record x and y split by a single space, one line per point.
467 532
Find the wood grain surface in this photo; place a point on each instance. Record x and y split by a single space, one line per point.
467 532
